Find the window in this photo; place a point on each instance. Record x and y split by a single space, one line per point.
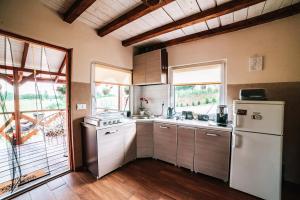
198 88
112 97
111 89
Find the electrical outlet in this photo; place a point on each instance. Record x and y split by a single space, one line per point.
81 106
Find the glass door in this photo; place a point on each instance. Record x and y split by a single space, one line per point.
33 115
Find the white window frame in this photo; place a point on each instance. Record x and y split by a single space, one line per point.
223 90
93 89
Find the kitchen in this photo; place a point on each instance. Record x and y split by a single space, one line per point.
182 115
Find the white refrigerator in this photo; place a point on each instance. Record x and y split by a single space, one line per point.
256 156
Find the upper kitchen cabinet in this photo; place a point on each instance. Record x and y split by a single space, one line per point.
150 68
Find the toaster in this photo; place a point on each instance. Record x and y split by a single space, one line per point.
258 94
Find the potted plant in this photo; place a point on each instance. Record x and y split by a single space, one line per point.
142 108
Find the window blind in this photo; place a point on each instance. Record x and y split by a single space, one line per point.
197 75
109 75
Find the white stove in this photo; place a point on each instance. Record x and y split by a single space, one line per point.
105 119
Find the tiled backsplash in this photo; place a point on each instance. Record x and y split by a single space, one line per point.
156 94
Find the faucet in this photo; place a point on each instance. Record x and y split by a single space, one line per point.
162 108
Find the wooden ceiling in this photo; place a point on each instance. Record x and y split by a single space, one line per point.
170 21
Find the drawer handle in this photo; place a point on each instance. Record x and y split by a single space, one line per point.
212 134
111 132
163 127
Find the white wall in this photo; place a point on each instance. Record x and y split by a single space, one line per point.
277 41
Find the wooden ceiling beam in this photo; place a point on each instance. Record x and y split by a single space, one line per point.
132 15
76 9
265 18
211 13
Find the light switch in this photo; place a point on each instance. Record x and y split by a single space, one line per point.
81 106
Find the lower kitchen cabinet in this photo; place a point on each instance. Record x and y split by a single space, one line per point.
212 153
186 147
144 139
110 142
130 146
165 142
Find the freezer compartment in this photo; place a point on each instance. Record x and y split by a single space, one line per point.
256 163
259 116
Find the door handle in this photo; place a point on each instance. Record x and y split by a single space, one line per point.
163 127
212 134
237 121
236 140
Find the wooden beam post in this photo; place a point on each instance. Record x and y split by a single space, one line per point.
7 78
63 63
17 114
132 15
31 70
24 56
211 13
265 18
77 8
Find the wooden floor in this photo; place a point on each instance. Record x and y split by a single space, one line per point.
141 179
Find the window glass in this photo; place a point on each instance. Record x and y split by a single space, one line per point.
46 96
198 88
107 97
201 99
124 97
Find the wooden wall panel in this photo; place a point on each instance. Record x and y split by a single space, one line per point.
80 93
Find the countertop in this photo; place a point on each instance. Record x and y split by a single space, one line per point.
189 123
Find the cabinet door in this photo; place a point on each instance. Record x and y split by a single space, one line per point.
110 150
186 147
212 153
129 132
139 69
153 70
139 74
144 131
165 142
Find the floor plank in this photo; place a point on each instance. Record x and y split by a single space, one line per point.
144 179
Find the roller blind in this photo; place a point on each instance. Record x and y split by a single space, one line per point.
197 75
104 74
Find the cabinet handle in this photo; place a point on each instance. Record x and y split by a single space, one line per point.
212 134
163 127
111 132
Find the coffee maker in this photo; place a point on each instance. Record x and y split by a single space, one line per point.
222 115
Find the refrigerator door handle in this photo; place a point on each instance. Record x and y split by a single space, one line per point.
237 120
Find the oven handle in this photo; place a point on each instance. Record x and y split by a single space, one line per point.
212 134
163 127
111 132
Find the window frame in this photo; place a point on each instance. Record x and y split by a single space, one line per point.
223 88
94 83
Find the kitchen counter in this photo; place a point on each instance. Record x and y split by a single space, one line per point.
190 123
